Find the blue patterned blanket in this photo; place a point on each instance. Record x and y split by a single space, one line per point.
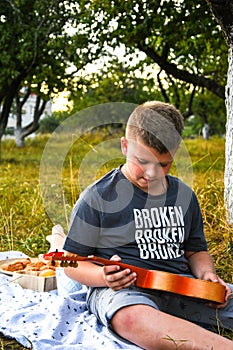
45 321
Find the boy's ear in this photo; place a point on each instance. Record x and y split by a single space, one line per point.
124 146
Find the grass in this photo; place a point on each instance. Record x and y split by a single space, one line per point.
24 218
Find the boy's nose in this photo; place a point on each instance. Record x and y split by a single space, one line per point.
151 172
154 171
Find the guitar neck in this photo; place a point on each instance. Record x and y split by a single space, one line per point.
92 258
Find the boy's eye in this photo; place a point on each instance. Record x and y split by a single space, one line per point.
144 162
141 161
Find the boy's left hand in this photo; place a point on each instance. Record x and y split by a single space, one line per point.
210 276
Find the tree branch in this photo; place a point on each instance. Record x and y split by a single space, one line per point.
170 68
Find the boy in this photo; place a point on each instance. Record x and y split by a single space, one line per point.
139 214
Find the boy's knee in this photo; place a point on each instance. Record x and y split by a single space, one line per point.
124 320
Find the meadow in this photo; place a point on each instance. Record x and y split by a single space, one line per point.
29 209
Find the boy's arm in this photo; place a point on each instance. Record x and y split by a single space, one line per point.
93 275
87 273
201 265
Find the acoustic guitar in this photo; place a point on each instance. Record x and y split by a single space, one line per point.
154 279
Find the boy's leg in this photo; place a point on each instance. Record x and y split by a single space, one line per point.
199 312
152 329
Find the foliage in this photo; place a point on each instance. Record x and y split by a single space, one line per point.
39 50
46 45
212 110
117 81
189 72
187 46
50 122
114 82
214 115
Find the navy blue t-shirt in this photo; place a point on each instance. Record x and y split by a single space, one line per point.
112 216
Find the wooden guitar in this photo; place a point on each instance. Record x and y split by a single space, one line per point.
154 279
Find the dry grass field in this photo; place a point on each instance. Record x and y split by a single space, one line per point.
24 223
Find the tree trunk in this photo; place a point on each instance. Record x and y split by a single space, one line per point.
228 178
19 138
223 12
22 132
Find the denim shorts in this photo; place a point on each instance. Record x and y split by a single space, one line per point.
105 302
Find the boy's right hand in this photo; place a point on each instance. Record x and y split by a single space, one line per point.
115 278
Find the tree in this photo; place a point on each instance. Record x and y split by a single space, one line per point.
38 50
223 12
22 132
181 38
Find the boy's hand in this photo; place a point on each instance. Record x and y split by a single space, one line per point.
115 278
210 276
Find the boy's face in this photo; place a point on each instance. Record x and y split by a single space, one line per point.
146 167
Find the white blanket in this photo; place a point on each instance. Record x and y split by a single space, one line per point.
46 321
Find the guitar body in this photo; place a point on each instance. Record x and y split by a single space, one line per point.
155 279
187 286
